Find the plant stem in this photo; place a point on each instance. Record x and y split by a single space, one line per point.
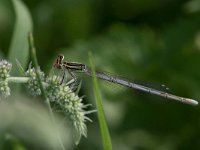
18 79
35 63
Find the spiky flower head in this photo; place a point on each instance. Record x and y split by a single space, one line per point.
70 103
33 83
5 68
64 98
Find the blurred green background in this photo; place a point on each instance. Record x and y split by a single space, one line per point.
151 41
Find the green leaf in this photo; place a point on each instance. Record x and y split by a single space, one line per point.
107 145
19 44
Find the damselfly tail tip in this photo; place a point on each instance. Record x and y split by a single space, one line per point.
191 102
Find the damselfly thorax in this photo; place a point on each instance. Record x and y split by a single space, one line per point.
70 66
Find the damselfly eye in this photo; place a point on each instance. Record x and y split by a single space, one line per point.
61 57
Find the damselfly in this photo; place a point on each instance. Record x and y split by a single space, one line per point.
73 67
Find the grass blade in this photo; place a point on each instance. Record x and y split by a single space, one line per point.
20 68
19 45
107 145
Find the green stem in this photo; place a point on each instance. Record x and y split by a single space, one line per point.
22 80
35 63
18 79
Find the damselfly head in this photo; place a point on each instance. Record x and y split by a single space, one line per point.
59 62
61 57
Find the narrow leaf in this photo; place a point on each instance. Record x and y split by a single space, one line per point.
107 145
19 44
